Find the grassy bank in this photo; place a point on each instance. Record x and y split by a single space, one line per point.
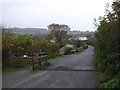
54 55
8 69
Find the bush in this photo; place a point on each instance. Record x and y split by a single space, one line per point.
114 83
107 48
46 46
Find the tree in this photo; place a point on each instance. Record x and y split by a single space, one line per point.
45 46
58 32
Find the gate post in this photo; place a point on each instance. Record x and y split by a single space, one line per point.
33 61
40 54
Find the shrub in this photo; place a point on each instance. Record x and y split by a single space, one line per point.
114 83
107 48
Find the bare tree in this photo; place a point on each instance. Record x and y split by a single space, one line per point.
58 32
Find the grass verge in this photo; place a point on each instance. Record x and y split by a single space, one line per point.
8 69
54 55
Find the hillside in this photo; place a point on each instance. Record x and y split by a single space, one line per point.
33 31
44 31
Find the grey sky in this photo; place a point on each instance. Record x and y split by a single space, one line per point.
77 14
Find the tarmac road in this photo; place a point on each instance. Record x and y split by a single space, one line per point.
81 78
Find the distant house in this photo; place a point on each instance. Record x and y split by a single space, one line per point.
52 41
82 38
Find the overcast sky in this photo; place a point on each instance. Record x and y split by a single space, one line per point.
77 14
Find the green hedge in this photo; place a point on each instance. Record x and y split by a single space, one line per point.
107 59
114 83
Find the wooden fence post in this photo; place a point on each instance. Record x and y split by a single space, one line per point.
33 55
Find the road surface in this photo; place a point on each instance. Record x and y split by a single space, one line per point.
81 78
